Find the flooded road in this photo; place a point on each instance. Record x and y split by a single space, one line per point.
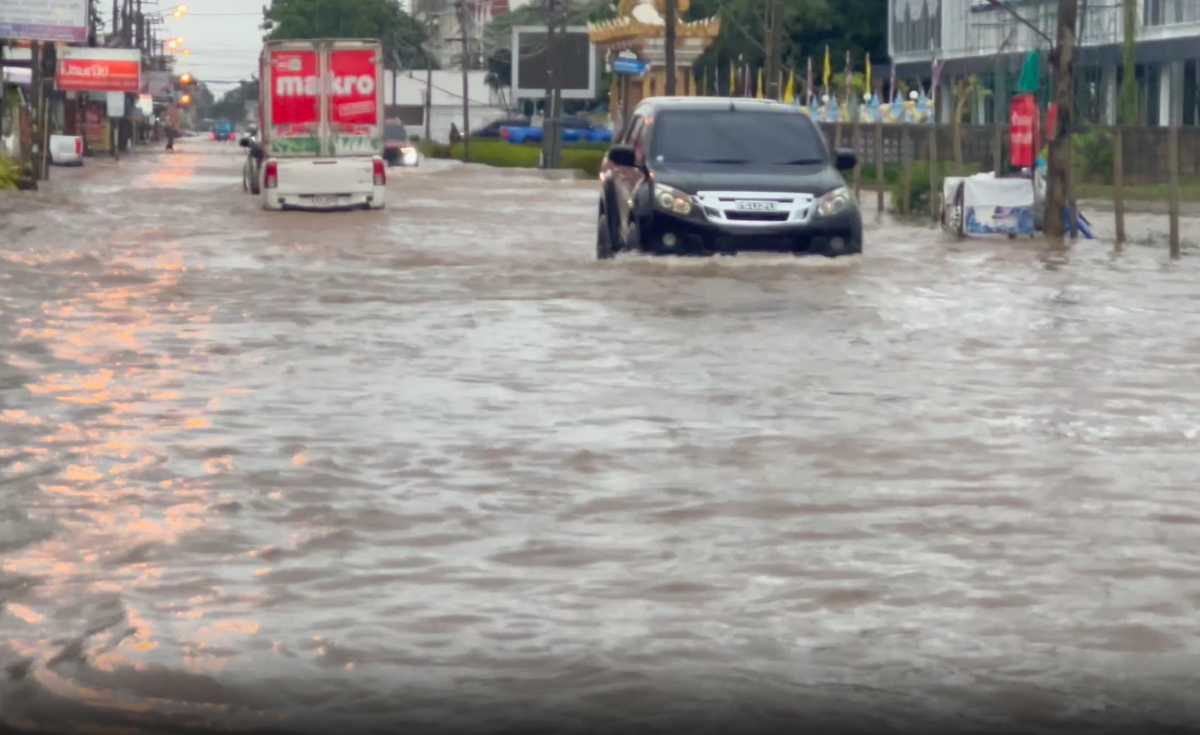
436 467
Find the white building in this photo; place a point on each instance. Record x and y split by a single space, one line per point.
974 37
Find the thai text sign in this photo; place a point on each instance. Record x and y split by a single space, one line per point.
44 20
1023 119
99 70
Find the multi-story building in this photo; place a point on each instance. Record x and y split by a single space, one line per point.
974 37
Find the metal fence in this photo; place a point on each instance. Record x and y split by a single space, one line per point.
1145 150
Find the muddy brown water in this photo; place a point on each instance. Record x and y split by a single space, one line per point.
436 465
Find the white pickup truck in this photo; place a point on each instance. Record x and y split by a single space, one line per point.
322 125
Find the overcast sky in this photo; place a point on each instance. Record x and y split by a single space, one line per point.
223 38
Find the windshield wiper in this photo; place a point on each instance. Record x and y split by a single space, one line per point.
800 162
723 160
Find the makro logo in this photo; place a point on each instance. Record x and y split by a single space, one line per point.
346 86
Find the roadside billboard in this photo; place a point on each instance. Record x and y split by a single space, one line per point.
99 70
44 20
579 72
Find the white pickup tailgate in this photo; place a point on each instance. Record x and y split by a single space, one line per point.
326 176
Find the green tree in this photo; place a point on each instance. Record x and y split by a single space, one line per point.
809 26
402 36
232 105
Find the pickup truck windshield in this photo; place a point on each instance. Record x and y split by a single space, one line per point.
736 137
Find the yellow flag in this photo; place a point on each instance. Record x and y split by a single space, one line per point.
867 75
789 94
828 70
732 79
760 84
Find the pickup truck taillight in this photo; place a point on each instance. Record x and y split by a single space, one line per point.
79 147
271 175
380 172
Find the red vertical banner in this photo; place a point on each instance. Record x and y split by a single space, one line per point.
1023 119
354 99
1051 121
295 103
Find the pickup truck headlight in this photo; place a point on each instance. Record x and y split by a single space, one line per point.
670 199
835 202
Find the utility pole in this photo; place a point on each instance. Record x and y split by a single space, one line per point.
37 155
774 38
1127 112
672 20
462 22
552 115
1058 168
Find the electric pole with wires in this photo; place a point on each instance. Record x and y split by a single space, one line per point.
672 18
463 20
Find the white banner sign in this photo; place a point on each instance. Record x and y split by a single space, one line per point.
44 20
116 104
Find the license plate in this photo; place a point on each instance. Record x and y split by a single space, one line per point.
324 201
751 206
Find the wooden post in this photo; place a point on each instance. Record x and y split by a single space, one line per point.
1173 167
879 169
907 163
933 173
1119 183
858 167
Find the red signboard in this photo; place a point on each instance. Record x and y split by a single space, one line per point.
1023 123
354 99
99 75
295 104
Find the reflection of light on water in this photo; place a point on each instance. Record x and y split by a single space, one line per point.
25 614
136 411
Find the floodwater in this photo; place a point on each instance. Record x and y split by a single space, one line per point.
437 467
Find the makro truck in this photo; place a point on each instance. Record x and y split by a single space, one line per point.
321 109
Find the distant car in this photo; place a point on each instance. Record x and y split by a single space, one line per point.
708 175
495 129
397 149
66 150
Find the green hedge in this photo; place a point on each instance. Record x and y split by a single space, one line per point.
10 174
499 153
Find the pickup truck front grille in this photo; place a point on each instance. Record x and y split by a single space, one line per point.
751 208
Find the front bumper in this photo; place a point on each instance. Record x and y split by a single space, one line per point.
666 233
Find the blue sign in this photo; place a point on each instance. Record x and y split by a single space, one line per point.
630 67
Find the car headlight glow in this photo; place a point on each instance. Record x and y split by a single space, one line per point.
835 202
670 199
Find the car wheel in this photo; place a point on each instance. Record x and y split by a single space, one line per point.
604 248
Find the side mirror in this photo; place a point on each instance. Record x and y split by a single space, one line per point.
622 155
846 160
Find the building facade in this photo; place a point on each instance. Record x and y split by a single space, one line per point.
973 37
